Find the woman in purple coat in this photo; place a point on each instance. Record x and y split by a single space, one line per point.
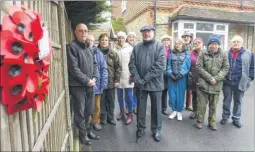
193 76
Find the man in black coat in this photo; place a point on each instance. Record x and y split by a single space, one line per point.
147 65
82 75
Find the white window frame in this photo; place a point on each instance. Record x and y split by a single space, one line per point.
194 31
123 5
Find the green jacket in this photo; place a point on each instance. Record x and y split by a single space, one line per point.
114 67
211 66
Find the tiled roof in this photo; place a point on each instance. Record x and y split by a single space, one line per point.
214 15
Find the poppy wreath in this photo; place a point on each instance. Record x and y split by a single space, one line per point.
24 76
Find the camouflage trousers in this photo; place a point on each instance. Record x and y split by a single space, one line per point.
202 100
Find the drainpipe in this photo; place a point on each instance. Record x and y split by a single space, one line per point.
241 3
155 15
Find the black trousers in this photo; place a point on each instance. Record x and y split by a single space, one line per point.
107 104
156 115
83 105
164 99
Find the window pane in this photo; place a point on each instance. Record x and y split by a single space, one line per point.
175 36
220 28
204 27
204 36
175 26
188 26
222 43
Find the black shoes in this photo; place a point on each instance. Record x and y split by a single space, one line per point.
223 121
97 127
85 140
112 122
140 133
192 115
237 124
103 122
92 136
156 136
164 112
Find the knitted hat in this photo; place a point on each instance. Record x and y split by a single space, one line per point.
132 33
166 37
214 38
123 34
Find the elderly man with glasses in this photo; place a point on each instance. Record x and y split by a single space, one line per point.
82 76
147 65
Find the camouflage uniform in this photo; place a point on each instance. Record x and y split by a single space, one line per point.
210 66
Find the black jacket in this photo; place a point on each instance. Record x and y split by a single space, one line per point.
148 63
81 64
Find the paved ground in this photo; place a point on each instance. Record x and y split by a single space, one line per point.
183 136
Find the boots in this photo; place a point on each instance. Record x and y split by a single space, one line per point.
122 115
119 117
130 118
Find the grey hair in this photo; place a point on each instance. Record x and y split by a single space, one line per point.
237 38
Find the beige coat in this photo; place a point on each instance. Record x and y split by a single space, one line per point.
124 55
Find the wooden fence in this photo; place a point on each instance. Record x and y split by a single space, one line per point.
49 130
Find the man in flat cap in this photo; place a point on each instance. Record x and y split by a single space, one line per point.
147 65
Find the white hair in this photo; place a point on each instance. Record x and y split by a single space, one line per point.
237 38
132 33
166 37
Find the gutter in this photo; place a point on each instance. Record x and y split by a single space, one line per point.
251 23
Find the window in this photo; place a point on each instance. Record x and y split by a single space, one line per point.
201 29
189 26
123 5
220 27
204 36
204 27
176 26
175 37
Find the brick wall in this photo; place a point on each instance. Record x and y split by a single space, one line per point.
116 9
135 25
162 27
134 8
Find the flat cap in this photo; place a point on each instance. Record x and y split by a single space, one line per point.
147 27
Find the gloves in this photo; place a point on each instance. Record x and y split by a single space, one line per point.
178 77
140 83
173 77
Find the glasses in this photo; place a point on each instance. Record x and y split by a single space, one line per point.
82 31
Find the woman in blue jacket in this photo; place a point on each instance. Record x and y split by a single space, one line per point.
101 83
178 66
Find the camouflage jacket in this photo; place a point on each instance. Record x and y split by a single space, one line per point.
211 66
